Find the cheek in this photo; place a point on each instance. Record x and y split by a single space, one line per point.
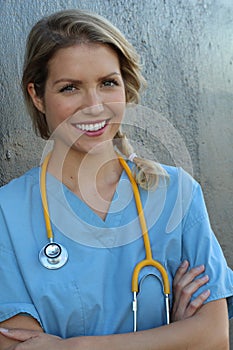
115 96
56 113
121 97
118 104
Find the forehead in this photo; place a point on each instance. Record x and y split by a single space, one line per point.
83 58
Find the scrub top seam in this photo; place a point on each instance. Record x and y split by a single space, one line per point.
197 220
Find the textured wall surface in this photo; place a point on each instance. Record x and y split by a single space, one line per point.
187 55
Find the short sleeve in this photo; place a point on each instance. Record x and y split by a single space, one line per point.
14 298
200 246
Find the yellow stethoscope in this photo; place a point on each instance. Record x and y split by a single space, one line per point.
54 255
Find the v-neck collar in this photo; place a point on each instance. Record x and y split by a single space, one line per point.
71 217
119 200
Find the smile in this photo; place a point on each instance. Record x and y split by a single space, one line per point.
91 127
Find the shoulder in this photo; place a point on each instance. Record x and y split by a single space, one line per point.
174 171
180 179
184 197
190 196
19 187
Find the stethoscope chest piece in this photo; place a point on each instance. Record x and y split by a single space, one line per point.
53 256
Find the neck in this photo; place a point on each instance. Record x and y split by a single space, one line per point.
75 168
92 177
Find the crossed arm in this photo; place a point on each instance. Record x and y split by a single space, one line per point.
195 326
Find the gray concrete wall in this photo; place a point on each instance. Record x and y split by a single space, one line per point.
187 52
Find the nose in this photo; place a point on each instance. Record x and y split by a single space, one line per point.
93 103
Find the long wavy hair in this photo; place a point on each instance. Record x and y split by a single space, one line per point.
65 29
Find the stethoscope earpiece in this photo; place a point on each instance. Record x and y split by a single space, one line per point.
53 256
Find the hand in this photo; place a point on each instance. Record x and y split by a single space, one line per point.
35 340
184 286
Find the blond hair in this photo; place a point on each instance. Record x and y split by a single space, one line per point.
67 28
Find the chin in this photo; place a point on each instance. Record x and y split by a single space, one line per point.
93 148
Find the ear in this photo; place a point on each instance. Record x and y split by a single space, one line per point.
38 102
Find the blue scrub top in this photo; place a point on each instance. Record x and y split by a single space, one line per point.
91 294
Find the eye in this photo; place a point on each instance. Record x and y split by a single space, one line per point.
68 88
110 83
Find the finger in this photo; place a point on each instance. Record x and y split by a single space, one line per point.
192 287
192 308
197 303
183 304
19 334
189 276
178 277
181 271
182 279
186 279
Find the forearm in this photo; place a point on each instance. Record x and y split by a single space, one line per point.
17 321
202 331
207 329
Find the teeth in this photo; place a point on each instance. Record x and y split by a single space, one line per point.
91 127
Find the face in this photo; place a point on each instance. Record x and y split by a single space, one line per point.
84 97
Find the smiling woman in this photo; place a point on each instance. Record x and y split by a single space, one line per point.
86 92
79 75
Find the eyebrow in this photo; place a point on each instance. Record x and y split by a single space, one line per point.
76 81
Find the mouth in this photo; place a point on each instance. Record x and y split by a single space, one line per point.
90 127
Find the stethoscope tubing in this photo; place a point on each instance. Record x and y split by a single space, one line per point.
148 261
54 261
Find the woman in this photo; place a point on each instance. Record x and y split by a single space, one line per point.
79 75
